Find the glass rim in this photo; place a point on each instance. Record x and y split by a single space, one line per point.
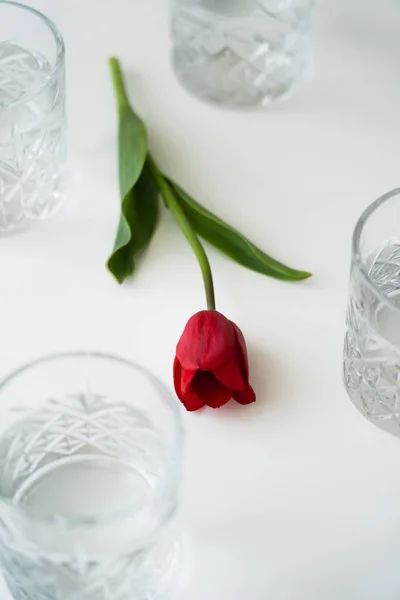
356 251
60 53
114 516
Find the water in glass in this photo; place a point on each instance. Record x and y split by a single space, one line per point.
87 511
241 52
32 137
32 115
372 343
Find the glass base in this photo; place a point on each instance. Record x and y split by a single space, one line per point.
40 577
389 424
242 98
18 215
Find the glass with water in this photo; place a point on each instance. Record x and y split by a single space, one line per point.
372 343
241 52
32 115
90 453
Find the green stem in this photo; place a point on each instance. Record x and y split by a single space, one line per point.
170 200
119 85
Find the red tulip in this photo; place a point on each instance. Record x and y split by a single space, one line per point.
211 365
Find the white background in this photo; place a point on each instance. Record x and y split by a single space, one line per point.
296 497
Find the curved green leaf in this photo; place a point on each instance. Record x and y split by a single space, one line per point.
139 199
232 243
136 227
132 135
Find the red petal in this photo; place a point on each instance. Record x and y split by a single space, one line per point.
246 397
177 379
189 399
210 390
206 342
192 402
187 377
231 373
242 347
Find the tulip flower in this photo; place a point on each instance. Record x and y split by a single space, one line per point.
211 365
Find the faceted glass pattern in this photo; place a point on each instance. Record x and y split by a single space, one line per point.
32 116
241 52
88 481
372 342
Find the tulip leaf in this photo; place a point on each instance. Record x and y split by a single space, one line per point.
140 180
231 242
137 225
139 198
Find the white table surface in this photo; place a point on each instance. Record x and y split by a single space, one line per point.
296 497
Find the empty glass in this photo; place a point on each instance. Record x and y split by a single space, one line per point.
32 115
241 52
372 343
90 453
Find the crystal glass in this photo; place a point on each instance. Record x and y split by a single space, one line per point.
90 453
372 343
241 52
32 116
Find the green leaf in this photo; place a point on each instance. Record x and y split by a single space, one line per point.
139 198
232 243
136 227
132 135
